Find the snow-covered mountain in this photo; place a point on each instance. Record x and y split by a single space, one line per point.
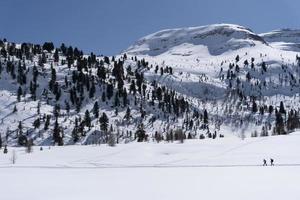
286 39
215 64
207 51
200 82
216 39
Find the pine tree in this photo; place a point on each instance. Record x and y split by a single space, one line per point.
205 117
104 122
109 91
56 56
15 109
293 121
75 131
75 135
141 133
132 87
19 94
20 128
237 58
47 123
87 119
53 78
101 73
56 132
264 67
279 124
96 109
39 108
92 90
254 107
37 123
128 114
281 108
125 100
48 46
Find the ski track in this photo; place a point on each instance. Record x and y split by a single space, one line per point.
146 166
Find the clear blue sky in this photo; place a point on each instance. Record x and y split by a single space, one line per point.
109 26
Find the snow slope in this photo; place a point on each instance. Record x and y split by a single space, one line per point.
214 39
286 39
193 153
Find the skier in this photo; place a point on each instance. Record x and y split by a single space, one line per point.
272 161
265 162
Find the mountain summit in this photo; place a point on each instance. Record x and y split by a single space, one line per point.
217 38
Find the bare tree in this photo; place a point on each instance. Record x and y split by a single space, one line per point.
29 146
180 135
111 140
13 158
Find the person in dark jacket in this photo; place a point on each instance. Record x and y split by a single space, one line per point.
272 161
265 162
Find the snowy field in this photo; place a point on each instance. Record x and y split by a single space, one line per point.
234 183
226 168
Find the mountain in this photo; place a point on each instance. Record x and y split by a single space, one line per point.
206 51
205 82
218 38
286 39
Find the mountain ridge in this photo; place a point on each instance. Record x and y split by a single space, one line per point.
238 37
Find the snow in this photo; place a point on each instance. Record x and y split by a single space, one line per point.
152 184
219 38
285 39
206 169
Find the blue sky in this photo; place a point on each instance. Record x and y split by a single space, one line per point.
109 26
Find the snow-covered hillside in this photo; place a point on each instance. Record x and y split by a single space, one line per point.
188 83
224 68
286 39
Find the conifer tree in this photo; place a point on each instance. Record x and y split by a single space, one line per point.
128 114
37 123
141 133
56 56
19 94
254 107
47 122
96 109
87 118
205 117
281 108
56 132
104 122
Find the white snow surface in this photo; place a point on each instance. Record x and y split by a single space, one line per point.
286 39
227 168
218 38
